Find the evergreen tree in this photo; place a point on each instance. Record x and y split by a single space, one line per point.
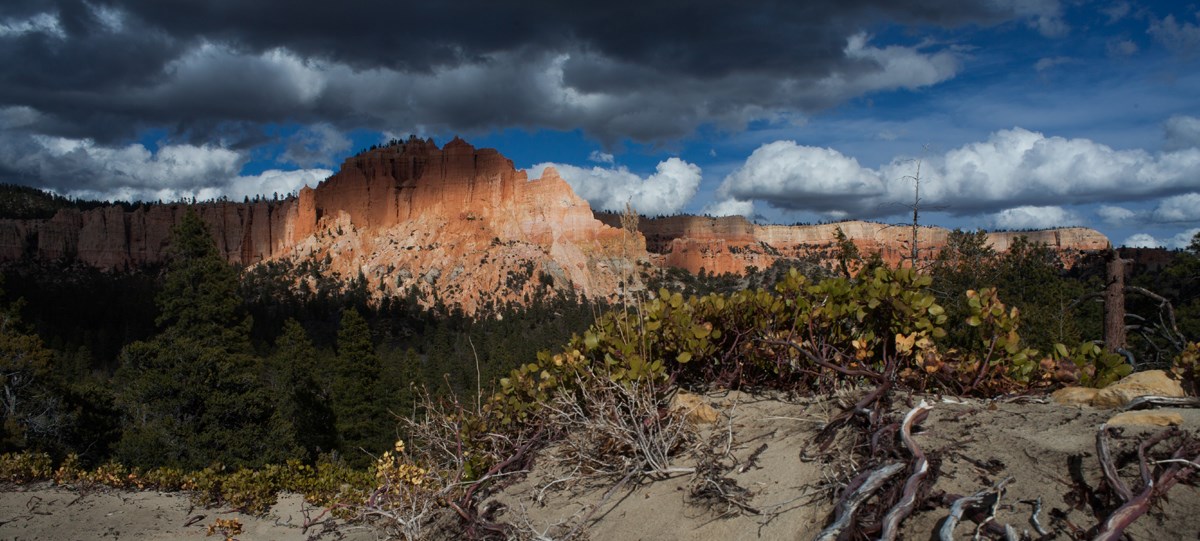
303 420
199 295
359 407
191 396
401 380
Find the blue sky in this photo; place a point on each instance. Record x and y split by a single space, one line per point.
1022 114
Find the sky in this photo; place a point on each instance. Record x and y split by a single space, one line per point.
1013 114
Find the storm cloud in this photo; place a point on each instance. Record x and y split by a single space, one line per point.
645 71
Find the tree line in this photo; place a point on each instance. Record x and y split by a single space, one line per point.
199 362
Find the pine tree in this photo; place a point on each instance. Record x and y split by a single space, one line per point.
361 412
303 420
192 395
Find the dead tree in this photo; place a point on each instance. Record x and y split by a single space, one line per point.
1164 331
1114 303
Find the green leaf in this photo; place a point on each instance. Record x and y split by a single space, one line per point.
683 357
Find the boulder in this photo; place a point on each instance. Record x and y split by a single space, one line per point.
1074 396
694 408
1148 383
1146 418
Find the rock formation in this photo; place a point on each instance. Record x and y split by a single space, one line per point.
731 243
457 224
461 226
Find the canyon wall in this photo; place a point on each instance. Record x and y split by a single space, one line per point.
731 243
456 224
462 226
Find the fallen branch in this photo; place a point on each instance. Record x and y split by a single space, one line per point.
1033 519
960 506
1114 526
920 468
849 505
1108 467
1147 402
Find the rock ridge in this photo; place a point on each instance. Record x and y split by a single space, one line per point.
732 243
463 227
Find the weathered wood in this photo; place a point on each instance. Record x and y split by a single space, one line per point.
920 468
1147 402
849 505
1114 303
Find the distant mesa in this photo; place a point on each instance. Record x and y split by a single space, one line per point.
463 226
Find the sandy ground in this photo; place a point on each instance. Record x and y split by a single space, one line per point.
976 444
787 488
44 512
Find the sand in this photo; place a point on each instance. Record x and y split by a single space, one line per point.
44 512
787 490
977 444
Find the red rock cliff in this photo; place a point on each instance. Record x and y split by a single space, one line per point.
731 244
457 224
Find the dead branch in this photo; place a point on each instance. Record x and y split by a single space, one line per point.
920 468
1153 487
960 506
1033 518
1164 306
956 512
849 505
1147 402
1108 467
820 361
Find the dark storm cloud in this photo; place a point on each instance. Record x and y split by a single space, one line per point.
82 80
113 67
711 37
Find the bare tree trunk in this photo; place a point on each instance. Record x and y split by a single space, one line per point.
1114 303
916 208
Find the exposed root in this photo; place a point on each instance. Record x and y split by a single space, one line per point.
848 507
1157 478
920 468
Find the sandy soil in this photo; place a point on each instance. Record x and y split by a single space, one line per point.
976 444
44 512
787 492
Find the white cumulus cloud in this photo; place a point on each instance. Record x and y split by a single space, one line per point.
133 172
1114 215
1010 169
795 176
601 157
1179 208
1141 240
1178 241
1049 62
667 191
730 207
274 181
1183 240
1030 217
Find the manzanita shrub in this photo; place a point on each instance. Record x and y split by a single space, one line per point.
788 338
